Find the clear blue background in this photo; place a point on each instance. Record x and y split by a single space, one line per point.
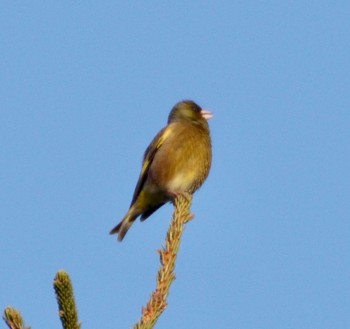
84 87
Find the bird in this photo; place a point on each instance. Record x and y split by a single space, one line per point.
177 161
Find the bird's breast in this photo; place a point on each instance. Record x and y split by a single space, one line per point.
182 163
181 182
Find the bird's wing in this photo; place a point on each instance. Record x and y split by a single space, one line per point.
148 157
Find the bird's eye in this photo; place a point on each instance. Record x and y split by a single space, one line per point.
196 109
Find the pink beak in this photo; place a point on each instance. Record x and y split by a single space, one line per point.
206 114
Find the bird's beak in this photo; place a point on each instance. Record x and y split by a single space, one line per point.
206 114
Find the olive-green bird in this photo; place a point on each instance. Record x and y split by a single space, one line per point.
177 160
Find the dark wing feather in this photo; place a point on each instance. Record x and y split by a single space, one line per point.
149 212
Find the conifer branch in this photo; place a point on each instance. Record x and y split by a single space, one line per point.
65 299
158 300
13 319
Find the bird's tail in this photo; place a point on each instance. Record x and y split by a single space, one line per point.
122 228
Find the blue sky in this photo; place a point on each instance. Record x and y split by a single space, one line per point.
84 87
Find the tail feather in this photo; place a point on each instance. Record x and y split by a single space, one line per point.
142 206
122 228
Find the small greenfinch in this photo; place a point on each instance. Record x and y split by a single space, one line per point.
177 161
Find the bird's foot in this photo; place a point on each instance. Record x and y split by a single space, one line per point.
177 195
178 198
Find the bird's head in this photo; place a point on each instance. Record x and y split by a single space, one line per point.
188 110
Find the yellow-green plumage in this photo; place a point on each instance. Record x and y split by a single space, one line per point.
177 160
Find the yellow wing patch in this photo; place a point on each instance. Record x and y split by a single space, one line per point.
152 149
148 158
